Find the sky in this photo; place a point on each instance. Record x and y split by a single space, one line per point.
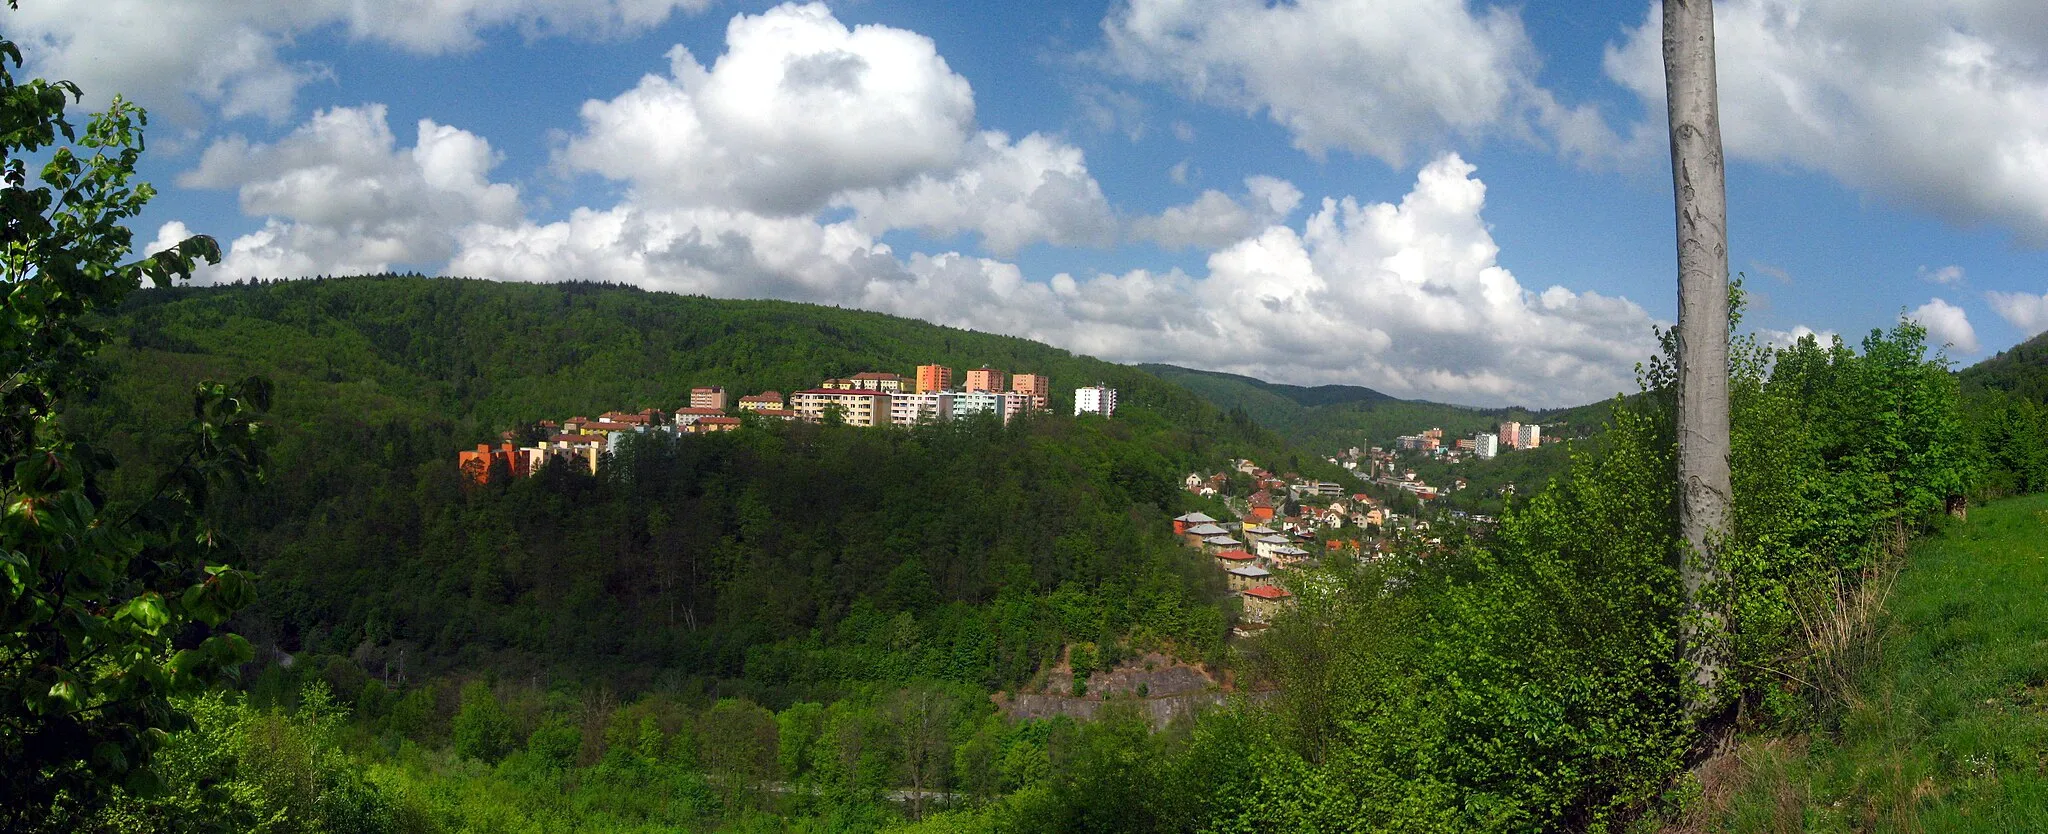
1465 202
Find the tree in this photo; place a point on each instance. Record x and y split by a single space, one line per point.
1700 193
107 608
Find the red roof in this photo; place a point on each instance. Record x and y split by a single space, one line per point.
719 421
701 412
575 438
607 425
763 397
846 392
1267 592
1234 555
877 375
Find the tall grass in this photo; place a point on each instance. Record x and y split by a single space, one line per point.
1943 701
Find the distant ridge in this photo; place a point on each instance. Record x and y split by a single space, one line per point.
2021 369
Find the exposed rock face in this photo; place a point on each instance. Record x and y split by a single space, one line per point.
1160 686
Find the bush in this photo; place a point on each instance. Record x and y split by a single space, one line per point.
482 729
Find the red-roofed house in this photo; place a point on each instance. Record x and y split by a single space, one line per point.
1262 603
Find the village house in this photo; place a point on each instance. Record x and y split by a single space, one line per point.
764 401
686 417
1262 603
1248 576
1197 533
708 425
1181 524
1235 558
1218 544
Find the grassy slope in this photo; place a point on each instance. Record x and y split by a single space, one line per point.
1950 730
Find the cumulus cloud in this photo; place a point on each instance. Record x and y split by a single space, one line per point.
1406 296
1932 103
803 112
1786 338
1946 324
180 56
2026 311
340 196
1215 220
1378 78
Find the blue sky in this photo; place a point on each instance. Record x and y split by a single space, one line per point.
1460 201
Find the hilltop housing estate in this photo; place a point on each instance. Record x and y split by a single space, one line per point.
865 399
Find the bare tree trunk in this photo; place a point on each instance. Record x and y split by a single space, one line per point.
1701 195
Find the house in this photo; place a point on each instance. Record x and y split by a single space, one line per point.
1264 545
1288 556
1263 602
764 401
1181 524
1197 533
1218 544
1235 558
782 414
1249 576
878 381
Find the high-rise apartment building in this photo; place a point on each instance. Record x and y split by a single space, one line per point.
1486 446
855 407
1510 433
1100 399
985 378
933 378
712 397
1529 437
1036 386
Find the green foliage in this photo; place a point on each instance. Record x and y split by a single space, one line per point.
107 607
482 729
1945 732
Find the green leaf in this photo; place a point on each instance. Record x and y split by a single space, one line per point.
148 612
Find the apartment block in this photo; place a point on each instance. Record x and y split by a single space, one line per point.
1529 437
1510 433
856 407
986 379
712 397
878 381
1100 399
764 401
1485 445
1036 386
934 378
912 409
970 403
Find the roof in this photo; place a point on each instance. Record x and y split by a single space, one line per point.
719 421
1219 540
706 389
1207 530
1196 518
1267 592
844 392
1235 556
763 397
1290 551
1252 571
1274 539
877 375
700 412
576 438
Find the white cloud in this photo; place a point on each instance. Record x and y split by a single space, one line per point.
1947 276
1933 103
1782 339
2026 311
181 56
803 112
1011 194
1215 220
339 196
1405 296
1380 78
1946 324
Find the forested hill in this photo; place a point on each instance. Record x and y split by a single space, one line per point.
1327 418
782 560
2021 369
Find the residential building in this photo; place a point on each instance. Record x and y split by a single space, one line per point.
1510 434
878 381
1529 437
1486 445
1015 404
912 409
479 465
1181 524
855 407
764 401
1248 576
714 424
1218 544
1466 444
1196 533
1100 399
783 414
1036 386
712 397
934 378
1264 602
687 417
986 379
969 403
1235 558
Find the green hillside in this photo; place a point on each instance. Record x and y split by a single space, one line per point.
1328 418
2021 369
2007 406
777 559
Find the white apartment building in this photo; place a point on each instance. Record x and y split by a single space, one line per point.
1486 445
912 409
1530 437
1100 399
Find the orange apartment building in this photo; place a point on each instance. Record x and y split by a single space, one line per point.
932 379
1036 386
985 378
479 465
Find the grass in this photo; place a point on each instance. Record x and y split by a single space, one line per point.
1948 730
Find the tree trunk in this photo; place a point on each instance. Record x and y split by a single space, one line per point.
1702 202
